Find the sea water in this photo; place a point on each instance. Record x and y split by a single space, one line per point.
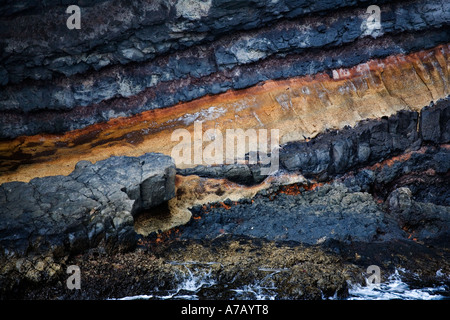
395 287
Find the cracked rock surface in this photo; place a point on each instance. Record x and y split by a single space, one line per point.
94 204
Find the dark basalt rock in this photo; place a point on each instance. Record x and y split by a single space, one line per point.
94 204
164 26
330 212
435 122
238 173
364 206
363 200
369 142
137 31
172 58
336 152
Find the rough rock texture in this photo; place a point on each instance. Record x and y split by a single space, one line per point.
239 173
330 212
369 142
339 151
299 108
93 202
139 31
141 55
87 118
389 182
346 210
57 216
281 270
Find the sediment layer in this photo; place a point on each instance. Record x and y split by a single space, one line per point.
285 49
95 204
88 127
299 108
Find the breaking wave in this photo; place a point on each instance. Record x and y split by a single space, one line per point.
198 280
396 288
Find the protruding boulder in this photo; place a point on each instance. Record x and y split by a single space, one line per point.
92 205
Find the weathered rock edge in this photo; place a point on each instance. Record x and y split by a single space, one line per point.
209 66
93 206
336 152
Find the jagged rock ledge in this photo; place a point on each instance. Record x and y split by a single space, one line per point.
50 218
392 186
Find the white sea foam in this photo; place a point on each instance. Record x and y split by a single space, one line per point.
395 288
199 276
187 289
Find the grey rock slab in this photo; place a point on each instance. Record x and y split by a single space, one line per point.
95 200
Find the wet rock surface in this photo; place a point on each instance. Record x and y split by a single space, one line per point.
231 267
225 266
398 199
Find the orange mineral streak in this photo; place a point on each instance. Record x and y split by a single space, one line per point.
300 108
401 158
209 193
296 189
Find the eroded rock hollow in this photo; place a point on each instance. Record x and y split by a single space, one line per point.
172 133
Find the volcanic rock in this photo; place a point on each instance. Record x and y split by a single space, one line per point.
53 217
88 127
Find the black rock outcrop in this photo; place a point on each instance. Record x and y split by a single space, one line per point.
93 206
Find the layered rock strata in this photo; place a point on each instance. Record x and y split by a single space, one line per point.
397 189
87 123
375 158
299 108
215 64
53 217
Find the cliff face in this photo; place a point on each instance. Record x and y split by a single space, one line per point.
299 107
89 118
154 55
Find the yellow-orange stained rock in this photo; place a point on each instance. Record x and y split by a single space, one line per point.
194 190
299 107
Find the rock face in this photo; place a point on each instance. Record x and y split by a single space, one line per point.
92 207
142 31
299 108
95 202
369 142
370 204
163 55
88 127
338 151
